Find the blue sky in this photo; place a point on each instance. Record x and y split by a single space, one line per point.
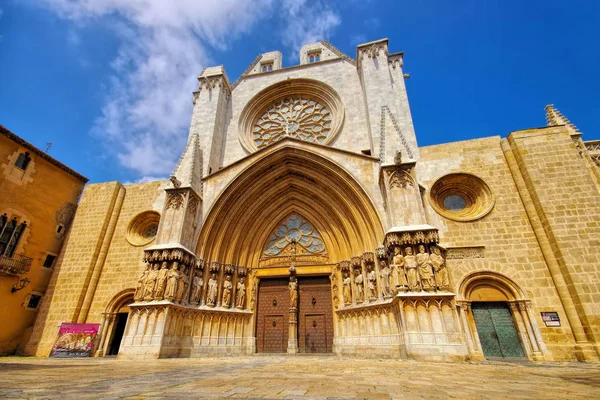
109 82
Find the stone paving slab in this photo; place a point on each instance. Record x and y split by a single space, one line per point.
289 377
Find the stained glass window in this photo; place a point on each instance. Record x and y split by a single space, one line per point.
295 227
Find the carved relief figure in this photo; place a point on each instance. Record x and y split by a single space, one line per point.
211 294
227 286
347 291
439 267
150 283
293 285
372 284
139 290
182 285
161 281
425 273
253 294
172 278
384 273
398 272
412 275
360 290
240 297
197 284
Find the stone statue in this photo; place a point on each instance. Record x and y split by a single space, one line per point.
211 293
293 285
227 286
439 267
182 285
139 290
384 273
172 279
372 284
412 275
347 291
398 272
197 284
253 294
161 281
240 296
425 273
360 290
150 283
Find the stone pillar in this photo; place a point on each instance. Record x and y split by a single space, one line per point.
293 314
105 322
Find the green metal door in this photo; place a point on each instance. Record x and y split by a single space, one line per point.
496 330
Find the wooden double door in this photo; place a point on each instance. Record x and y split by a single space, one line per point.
314 317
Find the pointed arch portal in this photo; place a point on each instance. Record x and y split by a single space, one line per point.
290 180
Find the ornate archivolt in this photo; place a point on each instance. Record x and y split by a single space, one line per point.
289 180
304 109
461 197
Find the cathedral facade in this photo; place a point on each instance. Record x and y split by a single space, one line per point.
302 217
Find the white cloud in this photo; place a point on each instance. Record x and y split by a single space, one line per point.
164 45
307 22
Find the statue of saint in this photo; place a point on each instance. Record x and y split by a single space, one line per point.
372 284
227 286
139 290
161 281
412 275
384 273
253 294
293 285
150 283
172 279
424 265
439 267
360 290
182 285
240 296
347 291
398 273
197 284
211 293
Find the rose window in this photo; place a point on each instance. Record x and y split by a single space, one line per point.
294 117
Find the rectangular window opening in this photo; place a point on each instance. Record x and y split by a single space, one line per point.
34 301
49 261
23 161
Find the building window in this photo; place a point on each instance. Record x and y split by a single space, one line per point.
34 301
49 261
59 228
266 67
10 235
23 161
314 57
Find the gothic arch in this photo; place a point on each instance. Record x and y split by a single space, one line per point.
495 281
288 179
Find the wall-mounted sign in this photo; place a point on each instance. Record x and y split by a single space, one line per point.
75 340
551 318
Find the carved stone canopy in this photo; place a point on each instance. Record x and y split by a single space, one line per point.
411 235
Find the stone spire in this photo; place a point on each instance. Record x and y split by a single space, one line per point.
555 117
188 171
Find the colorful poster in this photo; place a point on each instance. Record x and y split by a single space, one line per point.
75 340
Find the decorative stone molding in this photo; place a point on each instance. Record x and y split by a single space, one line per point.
297 93
456 253
372 50
424 235
175 200
143 228
400 179
396 60
475 198
385 111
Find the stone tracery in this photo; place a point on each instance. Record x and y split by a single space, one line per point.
297 117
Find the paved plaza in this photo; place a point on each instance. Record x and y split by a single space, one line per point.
288 377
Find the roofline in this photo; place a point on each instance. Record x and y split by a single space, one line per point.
4 131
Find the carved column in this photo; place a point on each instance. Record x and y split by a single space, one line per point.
293 314
522 307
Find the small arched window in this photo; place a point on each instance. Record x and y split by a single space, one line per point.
23 161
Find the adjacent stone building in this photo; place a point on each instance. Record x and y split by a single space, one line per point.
38 198
303 217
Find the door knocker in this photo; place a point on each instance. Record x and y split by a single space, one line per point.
274 323
314 323
314 301
274 302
